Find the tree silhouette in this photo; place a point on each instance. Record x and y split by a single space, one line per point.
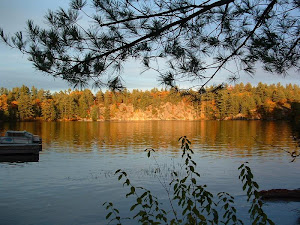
196 39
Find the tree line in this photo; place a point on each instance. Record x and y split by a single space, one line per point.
240 101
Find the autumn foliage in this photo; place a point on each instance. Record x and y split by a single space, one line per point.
241 101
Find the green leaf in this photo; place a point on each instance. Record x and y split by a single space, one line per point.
201 217
133 207
255 185
187 146
234 218
216 216
184 211
256 194
244 186
241 166
194 162
132 189
150 199
117 210
184 180
175 187
196 211
242 172
108 215
192 168
198 174
255 221
127 181
226 206
139 200
143 195
186 161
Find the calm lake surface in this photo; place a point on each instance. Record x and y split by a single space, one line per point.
75 173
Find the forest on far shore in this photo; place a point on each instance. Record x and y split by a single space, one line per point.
266 102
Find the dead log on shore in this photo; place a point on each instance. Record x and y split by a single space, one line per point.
281 194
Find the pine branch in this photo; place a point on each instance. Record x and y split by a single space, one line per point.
258 24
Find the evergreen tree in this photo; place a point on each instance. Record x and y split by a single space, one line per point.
67 105
36 102
24 90
4 113
49 111
234 106
25 108
248 87
100 97
83 106
107 113
222 101
34 93
289 92
72 110
3 91
95 113
278 95
261 92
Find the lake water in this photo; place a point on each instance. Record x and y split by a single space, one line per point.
75 172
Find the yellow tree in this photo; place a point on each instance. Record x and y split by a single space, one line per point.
3 107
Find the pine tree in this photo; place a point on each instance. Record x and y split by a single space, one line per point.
222 101
95 113
83 106
4 113
49 111
25 107
278 95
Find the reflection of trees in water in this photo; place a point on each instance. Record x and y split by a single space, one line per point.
295 153
234 137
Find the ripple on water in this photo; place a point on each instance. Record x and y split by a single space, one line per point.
75 174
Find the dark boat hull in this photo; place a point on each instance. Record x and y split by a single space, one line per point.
20 158
22 149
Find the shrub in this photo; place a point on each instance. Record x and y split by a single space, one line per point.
195 204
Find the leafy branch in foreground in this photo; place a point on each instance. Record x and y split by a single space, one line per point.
190 202
196 39
256 212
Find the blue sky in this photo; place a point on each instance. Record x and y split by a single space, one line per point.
16 70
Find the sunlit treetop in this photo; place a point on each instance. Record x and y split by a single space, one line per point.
194 39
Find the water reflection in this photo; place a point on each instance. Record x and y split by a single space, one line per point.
229 138
75 173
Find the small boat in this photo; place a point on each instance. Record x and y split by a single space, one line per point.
20 142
